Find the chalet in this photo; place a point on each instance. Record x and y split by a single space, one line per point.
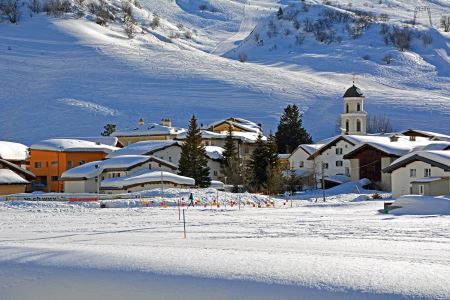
50 158
14 179
427 134
86 178
236 124
170 151
421 172
148 132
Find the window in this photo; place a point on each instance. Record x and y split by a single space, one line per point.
412 173
427 173
412 138
347 126
347 171
325 165
69 164
54 163
246 150
358 107
215 173
81 162
346 108
358 125
338 151
170 158
37 165
55 178
421 189
339 163
149 166
301 164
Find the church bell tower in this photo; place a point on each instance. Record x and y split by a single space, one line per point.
354 118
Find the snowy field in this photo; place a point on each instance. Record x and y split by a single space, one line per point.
333 250
58 71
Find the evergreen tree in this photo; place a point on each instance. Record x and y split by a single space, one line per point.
193 161
280 13
257 167
274 181
230 163
108 129
290 133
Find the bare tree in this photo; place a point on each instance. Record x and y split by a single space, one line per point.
445 23
35 6
379 124
11 9
402 38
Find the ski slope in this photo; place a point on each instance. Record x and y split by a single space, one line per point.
69 76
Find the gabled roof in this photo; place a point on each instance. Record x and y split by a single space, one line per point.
150 129
72 145
143 178
243 124
8 165
247 137
118 163
307 148
105 140
13 151
8 176
214 152
144 148
429 134
440 159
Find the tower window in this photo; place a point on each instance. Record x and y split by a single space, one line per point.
358 125
358 107
346 108
347 126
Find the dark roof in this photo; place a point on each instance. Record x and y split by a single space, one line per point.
353 91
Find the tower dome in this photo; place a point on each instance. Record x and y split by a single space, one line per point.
353 91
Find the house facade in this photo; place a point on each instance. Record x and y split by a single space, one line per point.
49 159
421 172
14 179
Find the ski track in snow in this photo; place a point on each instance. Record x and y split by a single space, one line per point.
89 106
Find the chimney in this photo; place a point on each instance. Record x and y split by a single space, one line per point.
166 122
141 122
394 138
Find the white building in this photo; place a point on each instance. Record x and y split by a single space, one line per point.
85 178
421 172
170 151
354 118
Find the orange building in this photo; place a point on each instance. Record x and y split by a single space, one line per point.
50 158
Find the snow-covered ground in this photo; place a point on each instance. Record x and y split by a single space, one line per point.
334 250
68 77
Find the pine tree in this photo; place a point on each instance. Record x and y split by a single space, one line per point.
290 133
193 161
108 129
229 163
257 167
280 13
273 166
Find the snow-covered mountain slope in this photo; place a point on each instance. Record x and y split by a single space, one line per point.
70 76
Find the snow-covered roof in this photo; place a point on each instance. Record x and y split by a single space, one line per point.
430 134
236 122
143 148
4 164
217 184
106 140
284 156
149 129
338 178
7 176
72 145
214 152
248 137
145 177
440 158
13 151
124 162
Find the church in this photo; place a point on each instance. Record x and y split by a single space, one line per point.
356 154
